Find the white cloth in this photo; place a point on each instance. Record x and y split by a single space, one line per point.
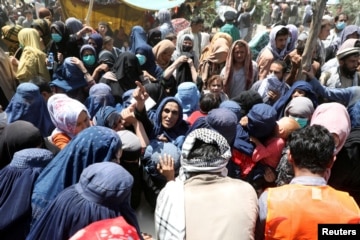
170 212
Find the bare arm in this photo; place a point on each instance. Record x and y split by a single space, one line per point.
87 75
194 73
169 70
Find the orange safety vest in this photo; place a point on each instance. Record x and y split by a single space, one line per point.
294 211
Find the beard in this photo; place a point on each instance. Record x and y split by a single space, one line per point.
347 72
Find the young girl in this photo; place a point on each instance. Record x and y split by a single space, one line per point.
69 117
215 85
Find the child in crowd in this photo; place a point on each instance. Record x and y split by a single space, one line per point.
215 85
208 101
69 117
269 137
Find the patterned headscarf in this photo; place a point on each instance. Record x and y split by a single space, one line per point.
213 165
64 112
31 158
114 228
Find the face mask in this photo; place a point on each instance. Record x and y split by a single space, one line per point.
186 48
302 122
141 59
89 60
340 25
56 37
289 40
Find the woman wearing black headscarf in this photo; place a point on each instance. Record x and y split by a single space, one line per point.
125 72
59 36
17 136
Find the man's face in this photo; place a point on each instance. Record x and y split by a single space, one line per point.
324 32
277 70
342 18
197 27
29 15
280 41
239 54
349 65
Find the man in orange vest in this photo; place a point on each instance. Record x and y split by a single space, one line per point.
294 211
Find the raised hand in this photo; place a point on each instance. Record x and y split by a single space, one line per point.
166 167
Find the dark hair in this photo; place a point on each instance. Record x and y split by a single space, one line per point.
170 36
209 101
42 83
337 16
202 150
312 148
281 63
283 31
107 39
196 20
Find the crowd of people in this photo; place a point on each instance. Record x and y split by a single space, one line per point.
224 133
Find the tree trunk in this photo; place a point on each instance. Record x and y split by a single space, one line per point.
310 45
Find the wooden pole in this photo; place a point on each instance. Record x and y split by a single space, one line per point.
311 42
88 15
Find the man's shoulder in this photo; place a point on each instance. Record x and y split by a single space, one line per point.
240 185
265 56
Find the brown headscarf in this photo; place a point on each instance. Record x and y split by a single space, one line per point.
217 54
163 46
248 67
209 48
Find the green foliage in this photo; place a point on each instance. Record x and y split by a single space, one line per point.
350 7
204 8
208 11
262 7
